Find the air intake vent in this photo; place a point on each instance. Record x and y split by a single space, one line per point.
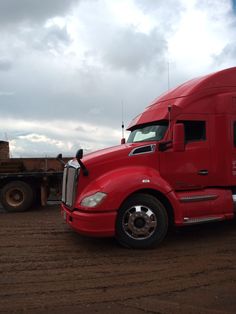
143 150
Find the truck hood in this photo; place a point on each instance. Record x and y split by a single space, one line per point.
106 154
118 156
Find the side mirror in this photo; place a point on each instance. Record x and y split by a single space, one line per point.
178 138
59 158
79 154
122 141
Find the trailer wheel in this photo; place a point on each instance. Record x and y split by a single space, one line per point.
142 222
17 196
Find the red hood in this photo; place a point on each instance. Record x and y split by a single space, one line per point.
107 154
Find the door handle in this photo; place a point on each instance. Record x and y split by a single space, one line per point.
203 172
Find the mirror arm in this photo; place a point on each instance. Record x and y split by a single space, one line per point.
79 156
165 145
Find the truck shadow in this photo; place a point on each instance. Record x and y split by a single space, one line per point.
202 232
176 237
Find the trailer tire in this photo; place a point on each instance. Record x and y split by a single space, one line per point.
142 222
17 196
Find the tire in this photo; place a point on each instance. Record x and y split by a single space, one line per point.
17 196
142 222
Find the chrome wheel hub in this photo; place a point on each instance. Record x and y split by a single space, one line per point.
139 222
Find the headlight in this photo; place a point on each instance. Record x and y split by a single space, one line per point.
93 200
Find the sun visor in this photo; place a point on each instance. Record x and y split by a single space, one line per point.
149 115
155 113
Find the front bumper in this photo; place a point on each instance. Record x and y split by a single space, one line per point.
90 224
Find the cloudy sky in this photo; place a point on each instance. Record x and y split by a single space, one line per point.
67 67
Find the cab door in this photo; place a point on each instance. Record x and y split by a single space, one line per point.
189 169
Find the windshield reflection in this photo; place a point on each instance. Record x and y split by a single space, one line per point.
148 132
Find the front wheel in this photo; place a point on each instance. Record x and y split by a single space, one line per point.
142 222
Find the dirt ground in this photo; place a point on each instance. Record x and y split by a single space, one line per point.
47 268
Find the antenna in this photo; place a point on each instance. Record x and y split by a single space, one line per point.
122 124
168 74
122 118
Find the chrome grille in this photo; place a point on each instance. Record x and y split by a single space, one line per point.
69 184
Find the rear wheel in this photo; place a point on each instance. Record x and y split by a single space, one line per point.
17 196
142 222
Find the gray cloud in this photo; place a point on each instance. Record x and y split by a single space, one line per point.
56 34
53 37
166 13
216 10
132 50
79 69
15 11
5 64
227 54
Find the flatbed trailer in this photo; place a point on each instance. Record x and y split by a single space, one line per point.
25 182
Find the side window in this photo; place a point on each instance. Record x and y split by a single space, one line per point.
235 133
194 130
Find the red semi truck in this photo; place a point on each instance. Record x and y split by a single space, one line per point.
178 167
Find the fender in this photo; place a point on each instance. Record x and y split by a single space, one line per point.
122 182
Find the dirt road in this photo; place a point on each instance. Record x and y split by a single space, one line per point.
47 268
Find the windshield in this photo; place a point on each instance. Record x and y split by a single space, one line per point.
148 132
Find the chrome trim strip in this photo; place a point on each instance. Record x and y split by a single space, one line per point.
189 221
152 150
73 163
234 202
197 198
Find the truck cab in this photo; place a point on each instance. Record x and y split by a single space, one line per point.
178 167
